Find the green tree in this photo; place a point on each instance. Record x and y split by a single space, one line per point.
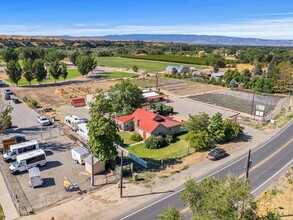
13 70
85 64
101 104
55 70
197 122
212 198
103 133
73 57
285 76
171 213
28 70
64 72
9 55
39 70
5 117
125 97
53 55
199 140
216 127
232 130
155 142
174 71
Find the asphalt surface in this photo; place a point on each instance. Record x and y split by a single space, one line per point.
270 160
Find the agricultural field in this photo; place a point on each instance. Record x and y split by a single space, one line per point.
146 65
113 75
238 101
72 73
151 82
170 58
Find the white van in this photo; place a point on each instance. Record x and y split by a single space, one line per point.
82 131
26 161
21 148
73 121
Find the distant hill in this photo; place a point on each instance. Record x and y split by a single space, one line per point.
191 39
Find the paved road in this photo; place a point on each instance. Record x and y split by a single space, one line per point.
270 160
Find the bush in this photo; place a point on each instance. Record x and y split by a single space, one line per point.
135 137
135 68
155 142
169 139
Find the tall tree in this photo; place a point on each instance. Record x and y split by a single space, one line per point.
219 199
28 70
64 72
53 55
9 54
73 57
216 127
125 97
55 70
198 122
85 64
5 117
285 77
13 70
103 133
39 70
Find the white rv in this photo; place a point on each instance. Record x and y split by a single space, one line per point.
82 131
26 161
20 148
73 121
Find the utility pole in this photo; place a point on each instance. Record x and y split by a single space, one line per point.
121 175
252 100
248 164
157 82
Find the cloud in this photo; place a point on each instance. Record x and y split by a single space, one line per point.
281 28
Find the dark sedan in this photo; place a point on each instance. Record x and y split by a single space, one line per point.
216 154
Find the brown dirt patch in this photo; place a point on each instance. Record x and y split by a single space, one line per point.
192 89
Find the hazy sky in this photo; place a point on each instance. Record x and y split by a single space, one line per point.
271 19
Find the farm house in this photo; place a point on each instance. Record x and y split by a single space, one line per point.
180 69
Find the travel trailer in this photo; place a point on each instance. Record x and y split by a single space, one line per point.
73 121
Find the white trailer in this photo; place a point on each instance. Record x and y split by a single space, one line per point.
73 121
79 154
35 177
82 131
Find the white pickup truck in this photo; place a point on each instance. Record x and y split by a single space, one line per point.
43 120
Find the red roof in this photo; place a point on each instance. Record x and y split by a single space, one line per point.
78 101
148 121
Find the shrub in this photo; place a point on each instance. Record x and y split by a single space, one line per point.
168 139
155 142
135 68
135 137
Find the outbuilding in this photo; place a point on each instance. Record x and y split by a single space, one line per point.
99 166
180 69
79 102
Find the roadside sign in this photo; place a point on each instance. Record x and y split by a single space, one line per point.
260 110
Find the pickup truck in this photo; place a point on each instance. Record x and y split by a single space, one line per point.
43 120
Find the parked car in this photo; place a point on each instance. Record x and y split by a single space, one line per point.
43 120
3 84
7 96
18 138
8 92
217 154
15 100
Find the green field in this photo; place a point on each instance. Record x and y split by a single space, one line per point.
125 135
170 58
147 65
117 74
174 150
72 73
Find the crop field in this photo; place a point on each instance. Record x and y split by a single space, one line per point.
170 58
146 65
238 101
113 75
150 82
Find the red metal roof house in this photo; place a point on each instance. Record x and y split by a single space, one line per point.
147 123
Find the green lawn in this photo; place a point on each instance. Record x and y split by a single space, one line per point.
174 150
125 135
117 74
72 73
2 216
147 65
